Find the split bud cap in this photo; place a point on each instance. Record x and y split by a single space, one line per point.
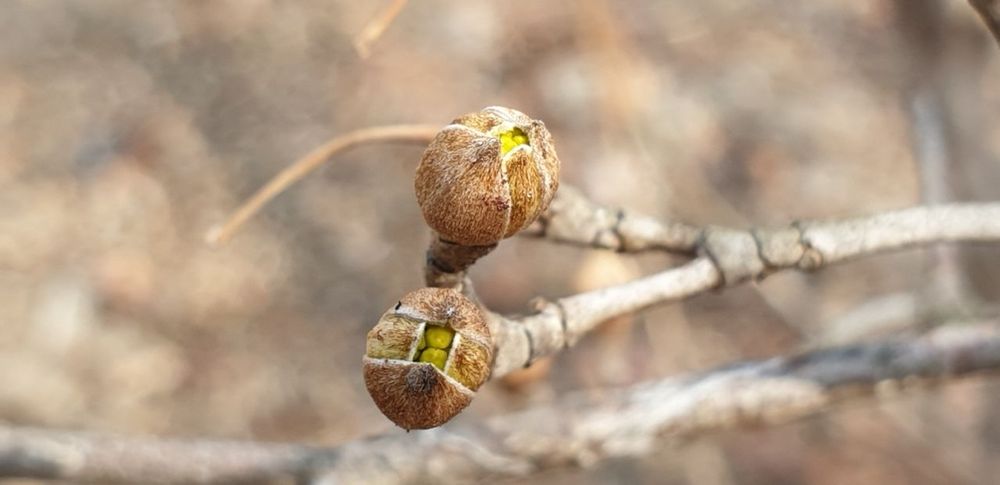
487 176
426 357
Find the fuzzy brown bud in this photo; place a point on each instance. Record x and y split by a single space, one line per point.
426 357
486 176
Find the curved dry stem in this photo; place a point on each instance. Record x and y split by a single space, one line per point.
989 12
311 161
376 27
560 324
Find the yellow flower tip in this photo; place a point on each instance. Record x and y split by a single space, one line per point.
434 356
438 337
512 139
433 345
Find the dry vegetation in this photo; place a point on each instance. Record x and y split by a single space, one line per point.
127 129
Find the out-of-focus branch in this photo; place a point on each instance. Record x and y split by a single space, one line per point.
921 28
728 257
91 457
576 430
580 430
989 11
311 161
376 27
931 148
878 316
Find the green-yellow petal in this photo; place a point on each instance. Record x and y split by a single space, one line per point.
434 356
511 139
439 337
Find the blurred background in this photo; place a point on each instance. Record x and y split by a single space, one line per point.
127 129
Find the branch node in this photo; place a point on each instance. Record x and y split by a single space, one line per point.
811 258
531 346
779 248
616 231
563 323
735 254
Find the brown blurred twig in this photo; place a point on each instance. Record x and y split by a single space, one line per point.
311 161
576 430
376 27
989 11
92 457
932 129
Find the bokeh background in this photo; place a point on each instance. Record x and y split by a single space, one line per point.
127 129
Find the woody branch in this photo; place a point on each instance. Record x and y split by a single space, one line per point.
575 430
722 257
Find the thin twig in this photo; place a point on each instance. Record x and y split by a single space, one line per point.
311 161
878 316
989 11
931 123
107 458
447 262
574 219
576 430
729 257
376 27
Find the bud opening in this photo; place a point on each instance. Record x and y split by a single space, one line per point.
434 346
511 139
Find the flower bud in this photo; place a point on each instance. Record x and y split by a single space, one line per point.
486 176
426 357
